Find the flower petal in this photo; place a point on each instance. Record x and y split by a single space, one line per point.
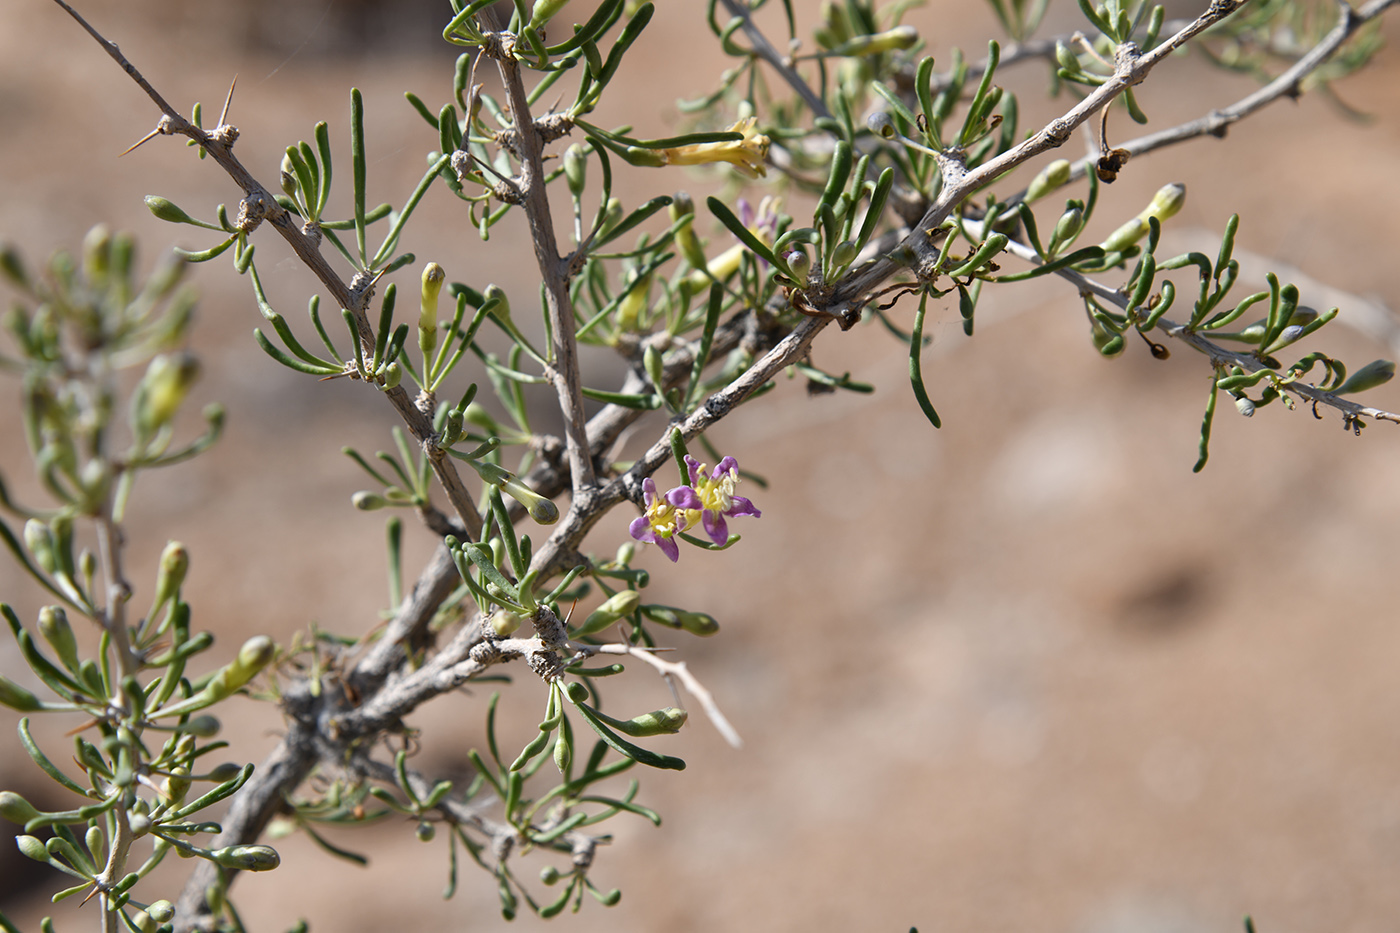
716 527
742 506
683 497
669 548
641 529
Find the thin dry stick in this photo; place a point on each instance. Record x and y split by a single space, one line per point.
1218 355
679 671
563 372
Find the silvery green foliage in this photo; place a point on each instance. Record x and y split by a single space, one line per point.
905 181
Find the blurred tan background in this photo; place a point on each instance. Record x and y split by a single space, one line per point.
1024 673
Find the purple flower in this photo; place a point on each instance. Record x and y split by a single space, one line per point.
707 501
662 519
713 496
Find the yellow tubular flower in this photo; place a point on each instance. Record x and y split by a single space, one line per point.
747 155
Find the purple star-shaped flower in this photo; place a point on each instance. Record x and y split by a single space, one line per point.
714 497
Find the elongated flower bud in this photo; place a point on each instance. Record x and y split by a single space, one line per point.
247 858
1165 204
630 308
367 501
1368 377
39 540
174 565
575 169
1069 225
161 391
168 211
15 808
53 625
287 179
660 722
618 606
898 38
696 623
433 277
1053 176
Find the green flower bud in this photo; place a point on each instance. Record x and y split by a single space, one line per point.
898 38
255 654
543 11
541 509
612 211
15 808
247 858
1053 176
1066 58
287 179
168 211
176 784
660 722
549 875
16 697
161 391
39 539
844 254
97 252
161 911
1165 204
1369 376
1070 223
31 847
139 823
501 309
577 692
697 623
392 375
625 553
425 831
433 277
630 308
618 606
575 169
563 753
503 622
53 625
682 207
367 501
174 564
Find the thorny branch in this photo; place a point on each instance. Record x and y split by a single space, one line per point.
1288 84
1131 67
259 204
564 372
381 687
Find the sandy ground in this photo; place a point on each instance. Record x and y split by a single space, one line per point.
1024 673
